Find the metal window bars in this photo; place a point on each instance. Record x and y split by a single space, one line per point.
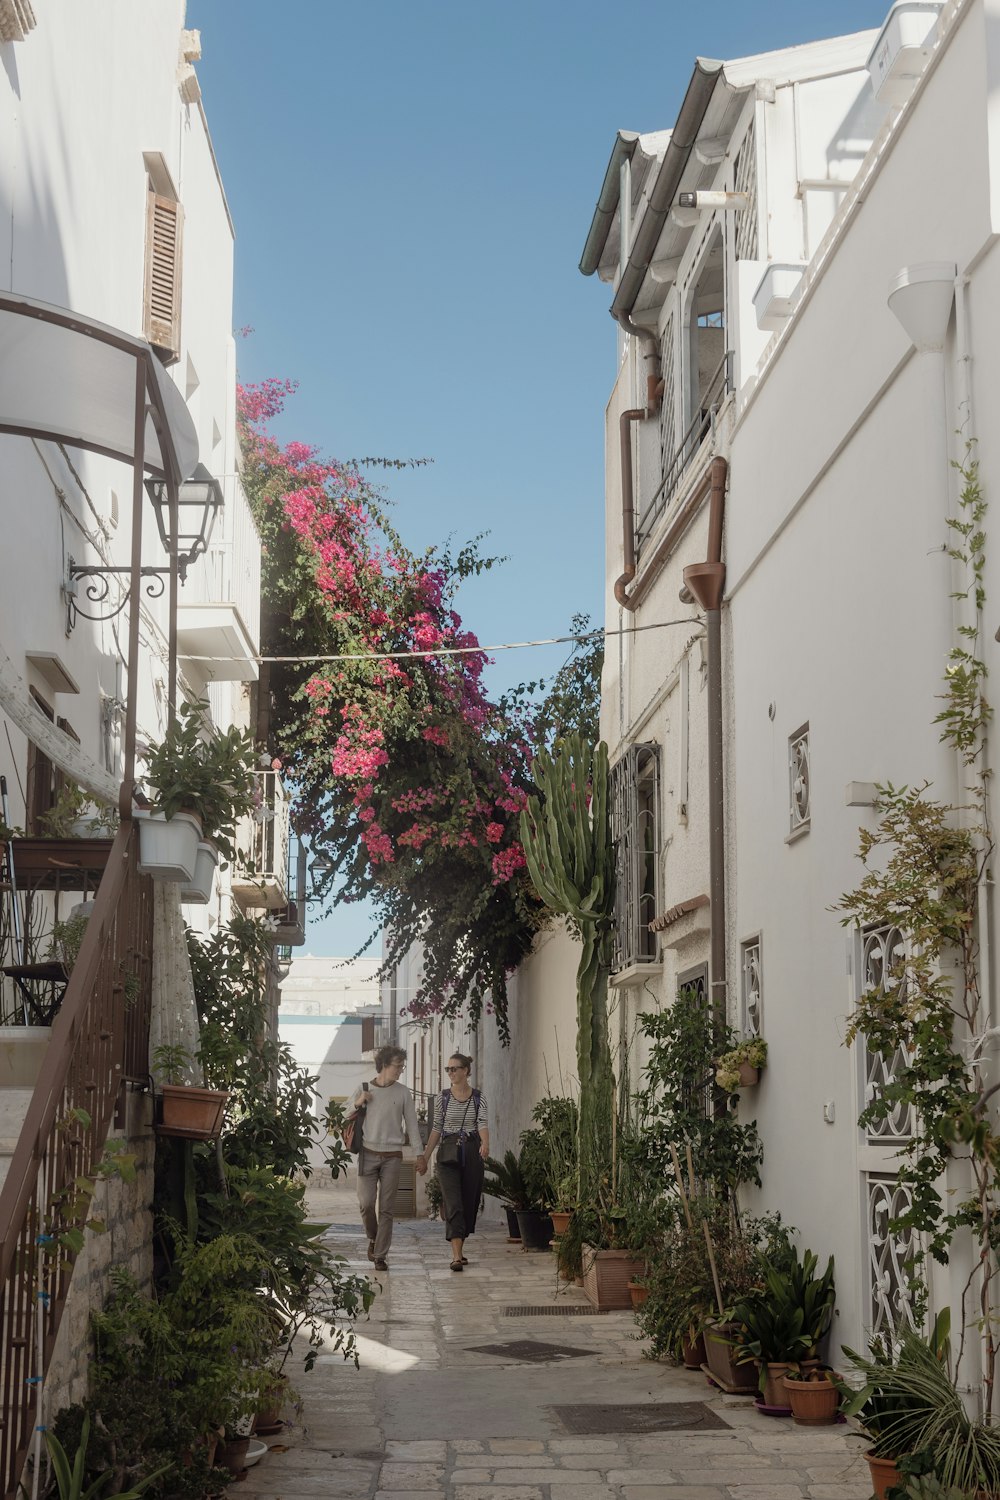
635 829
702 427
746 230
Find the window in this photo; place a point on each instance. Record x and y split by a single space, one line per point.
161 307
798 781
367 1033
635 829
751 987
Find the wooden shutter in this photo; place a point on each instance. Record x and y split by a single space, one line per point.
367 1033
162 293
41 777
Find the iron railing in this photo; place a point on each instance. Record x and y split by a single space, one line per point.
635 829
702 425
264 839
99 1041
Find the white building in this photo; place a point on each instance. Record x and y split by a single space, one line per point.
778 468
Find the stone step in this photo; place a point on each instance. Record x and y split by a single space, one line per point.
13 1108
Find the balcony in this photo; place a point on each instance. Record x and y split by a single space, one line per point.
218 613
699 435
261 879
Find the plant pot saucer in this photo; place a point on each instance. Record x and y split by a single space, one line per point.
271 1430
773 1411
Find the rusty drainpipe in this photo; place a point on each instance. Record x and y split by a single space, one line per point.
707 582
654 390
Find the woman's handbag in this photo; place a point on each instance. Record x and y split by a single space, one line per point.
449 1153
352 1130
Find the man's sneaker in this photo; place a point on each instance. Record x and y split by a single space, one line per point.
371 1249
381 1265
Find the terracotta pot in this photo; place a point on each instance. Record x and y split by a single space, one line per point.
193 1114
694 1354
814 1403
884 1474
233 1454
748 1075
560 1221
718 1357
638 1293
774 1385
606 1275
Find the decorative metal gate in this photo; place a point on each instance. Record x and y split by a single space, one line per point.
635 828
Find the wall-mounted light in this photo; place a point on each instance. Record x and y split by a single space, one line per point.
699 200
199 500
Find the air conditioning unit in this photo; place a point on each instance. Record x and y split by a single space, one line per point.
903 47
776 294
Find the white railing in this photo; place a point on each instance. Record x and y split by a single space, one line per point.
231 569
264 838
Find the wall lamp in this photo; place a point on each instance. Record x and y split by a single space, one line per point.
733 201
199 500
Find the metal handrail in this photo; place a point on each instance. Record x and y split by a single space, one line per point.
100 1039
703 422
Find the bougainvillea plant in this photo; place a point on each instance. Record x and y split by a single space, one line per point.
407 777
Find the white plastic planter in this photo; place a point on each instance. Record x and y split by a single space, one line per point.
903 47
776 295
168 848
199 891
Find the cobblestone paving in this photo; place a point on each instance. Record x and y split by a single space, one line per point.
425 1419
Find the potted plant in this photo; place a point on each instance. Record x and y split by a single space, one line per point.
507 1184
434 1195
783 1322
909 1405
202 782
740 1068
187 1110
563 1204
813 1397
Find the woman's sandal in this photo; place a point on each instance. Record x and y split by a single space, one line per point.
457 1265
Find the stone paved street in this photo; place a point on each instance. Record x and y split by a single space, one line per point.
425 1418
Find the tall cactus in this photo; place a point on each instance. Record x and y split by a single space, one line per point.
566 834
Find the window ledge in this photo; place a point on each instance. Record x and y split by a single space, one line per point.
798 833
635 974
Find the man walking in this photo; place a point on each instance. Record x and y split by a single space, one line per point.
389 1109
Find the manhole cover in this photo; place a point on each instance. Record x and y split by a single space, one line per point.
656 1417
561 1310
529 1351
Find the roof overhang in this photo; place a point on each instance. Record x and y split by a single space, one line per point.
70 379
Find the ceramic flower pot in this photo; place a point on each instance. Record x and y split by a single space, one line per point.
638 1293
748 1075
168 847
513 1227
814 1403
560 1221
232 1455
884 1474
191 1113
606 1275
774 1385
199 891
693 1352
719 1358
536 1229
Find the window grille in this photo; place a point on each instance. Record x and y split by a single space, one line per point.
635 829
746 182
752 989
668 416
798 780
890 1299
882 952
697 1091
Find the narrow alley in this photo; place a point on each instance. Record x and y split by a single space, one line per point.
457 1396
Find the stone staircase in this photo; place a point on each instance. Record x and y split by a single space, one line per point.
13 1108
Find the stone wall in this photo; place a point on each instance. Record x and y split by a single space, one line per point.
126 1208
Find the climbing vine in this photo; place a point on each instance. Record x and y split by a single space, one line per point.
925 863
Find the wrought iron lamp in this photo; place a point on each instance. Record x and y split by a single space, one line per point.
199 500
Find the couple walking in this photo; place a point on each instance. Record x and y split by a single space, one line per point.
460 1124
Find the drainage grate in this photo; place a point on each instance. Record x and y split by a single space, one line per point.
529 1351
562 1310
655 1417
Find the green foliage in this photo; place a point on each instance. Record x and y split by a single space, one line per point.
679 1106
269 1117
172 1063
572 704
70 803
880 1404
566 832
200 769
752 1052
435 1197
785 1319
548 1157
71 1478
507 1181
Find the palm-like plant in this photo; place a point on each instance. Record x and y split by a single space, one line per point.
507 1181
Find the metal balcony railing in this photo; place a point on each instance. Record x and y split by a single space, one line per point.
99 1041
262 876
701 427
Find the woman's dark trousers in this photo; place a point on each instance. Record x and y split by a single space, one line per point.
462 1189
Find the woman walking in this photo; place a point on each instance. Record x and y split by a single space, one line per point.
389 1110
461 1125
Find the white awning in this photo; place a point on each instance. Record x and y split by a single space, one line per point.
70 379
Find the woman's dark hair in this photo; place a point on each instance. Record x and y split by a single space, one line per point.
385 1056
460 1057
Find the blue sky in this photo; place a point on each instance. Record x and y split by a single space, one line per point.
412 185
